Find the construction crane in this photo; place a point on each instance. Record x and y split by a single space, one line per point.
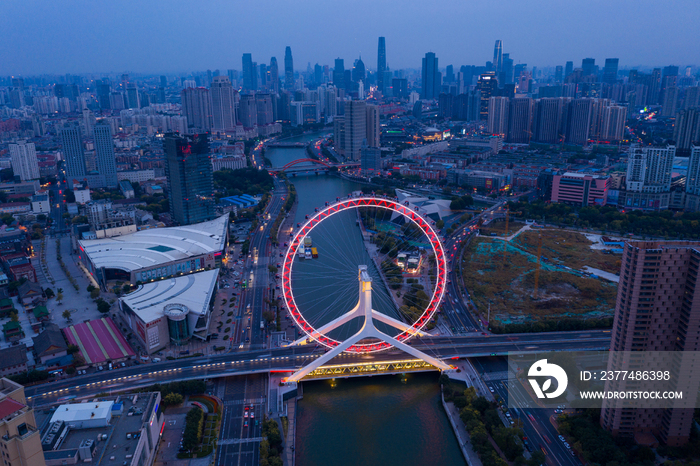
505 241
537 270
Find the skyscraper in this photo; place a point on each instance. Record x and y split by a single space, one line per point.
430 87
358 71
222 104
498 115
288 69
263 105
351 129
559 74
274 71
104 154
196 106
24 161
610 70
381 64
188 169
498 57
588 66
103 89
248 110
648 179
250 77
339 73
506 74
657 309
568 69
547 119
73 152
373 132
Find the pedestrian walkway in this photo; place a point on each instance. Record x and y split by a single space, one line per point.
461 432
290 438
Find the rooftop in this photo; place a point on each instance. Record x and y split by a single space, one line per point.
8 406
83 411
150 248
193 290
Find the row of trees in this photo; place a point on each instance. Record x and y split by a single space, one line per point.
247 180
194 428
683 225
271 445
481 419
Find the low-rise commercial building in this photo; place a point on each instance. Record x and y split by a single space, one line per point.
153 254
580 189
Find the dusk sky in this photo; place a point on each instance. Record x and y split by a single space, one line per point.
156 36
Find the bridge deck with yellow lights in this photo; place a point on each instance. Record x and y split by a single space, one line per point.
370 368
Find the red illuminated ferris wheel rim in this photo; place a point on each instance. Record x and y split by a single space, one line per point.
354 203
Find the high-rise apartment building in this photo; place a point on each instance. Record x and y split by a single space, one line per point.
559 74
248 110
613 118
686 130
188 168
73 152
104 154
657 309
520 120
578 124
381 64
548 119
222 104
196 106
20 438
498 115
669 101
498 56
288 69
431 77
648 179
24 161
132 95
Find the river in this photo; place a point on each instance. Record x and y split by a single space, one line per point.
378 420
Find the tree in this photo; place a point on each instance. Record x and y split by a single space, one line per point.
14 317
48 292
172 399
72 349
66 314
70 370
95 293
90 288
440 224
103 306
126 288
60 290
59 297
272 269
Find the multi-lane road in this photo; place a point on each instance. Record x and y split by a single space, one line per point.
536 422
292 358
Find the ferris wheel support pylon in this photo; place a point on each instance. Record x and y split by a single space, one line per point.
368 330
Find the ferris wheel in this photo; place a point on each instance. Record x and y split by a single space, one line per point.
399 230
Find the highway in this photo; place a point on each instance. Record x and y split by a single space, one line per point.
292 358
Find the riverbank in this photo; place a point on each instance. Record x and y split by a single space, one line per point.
460 431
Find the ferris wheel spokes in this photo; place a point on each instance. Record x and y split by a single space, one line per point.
368 330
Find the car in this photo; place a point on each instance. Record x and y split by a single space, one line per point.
558 411
123 364
491 389
567 445
561 437
252 415
245 414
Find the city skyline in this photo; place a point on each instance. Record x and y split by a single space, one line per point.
111 38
